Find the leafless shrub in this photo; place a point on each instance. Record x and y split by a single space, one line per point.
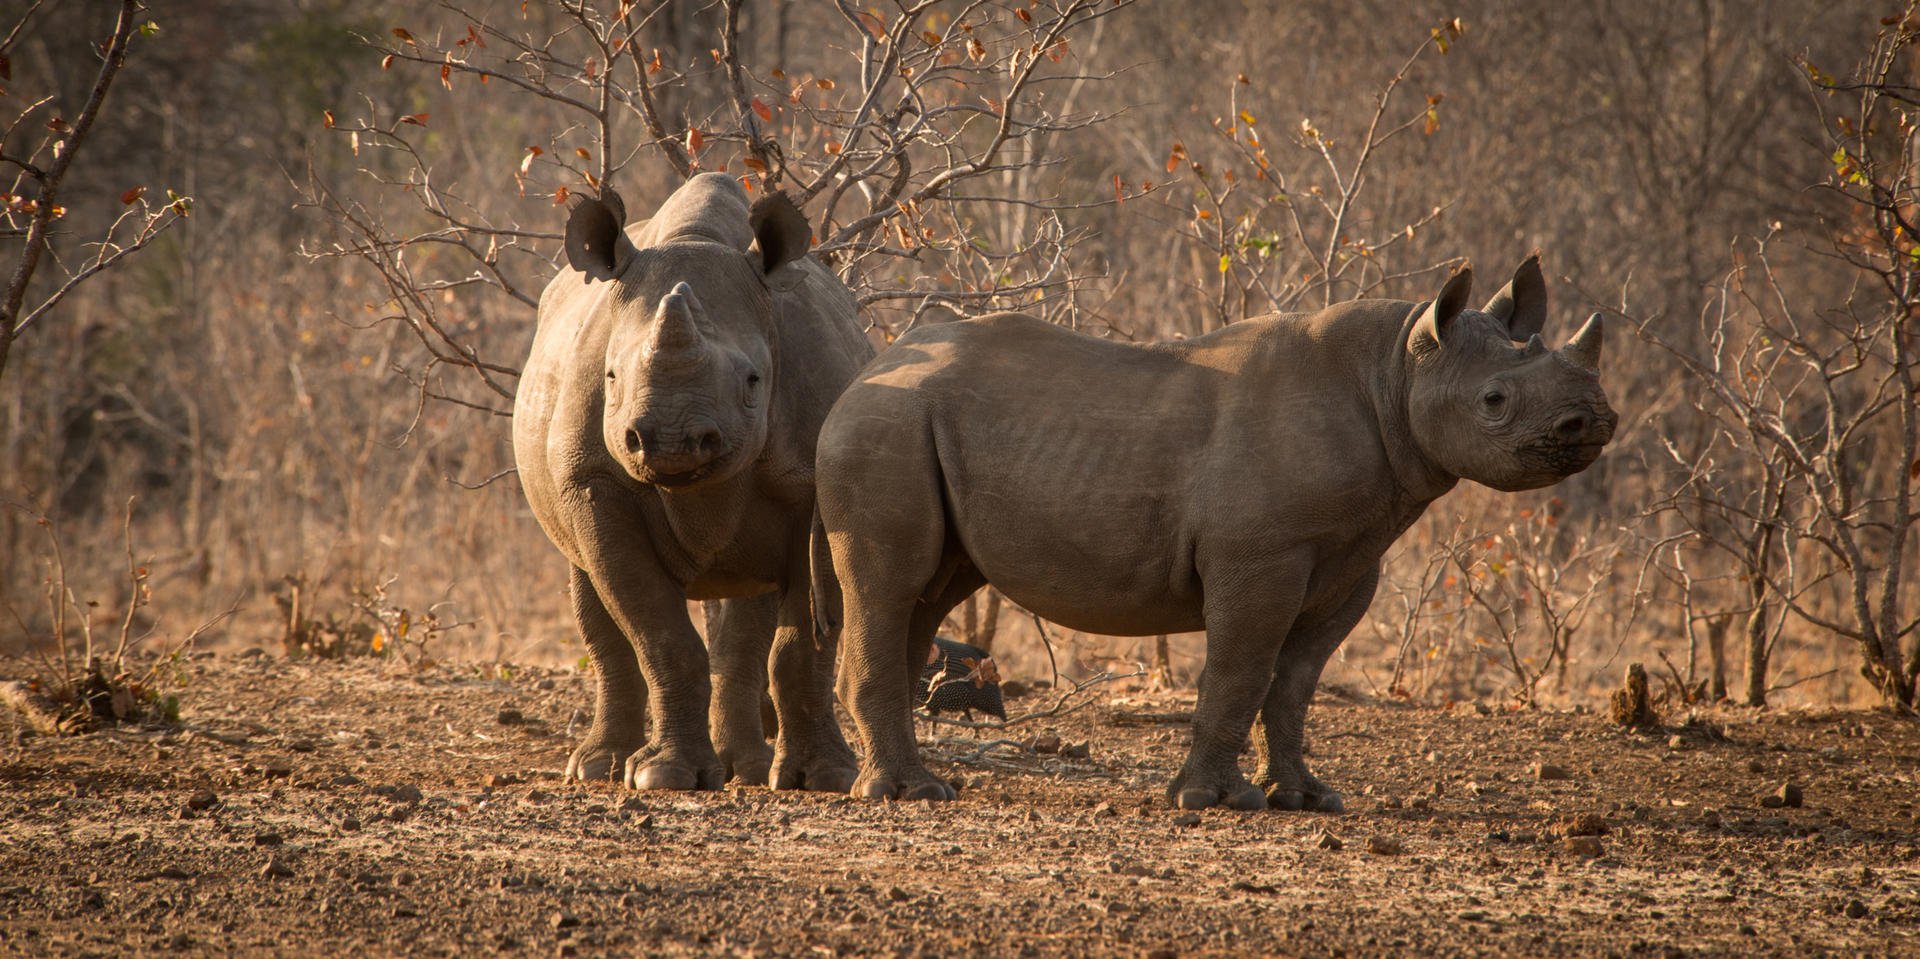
919 139
1290 241
372 626
41 145
92 672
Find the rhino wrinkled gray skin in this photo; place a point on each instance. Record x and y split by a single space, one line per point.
664 432
1245 482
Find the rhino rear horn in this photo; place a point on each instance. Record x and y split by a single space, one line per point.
596 243
781 234
1584 349
1430 330
1522 303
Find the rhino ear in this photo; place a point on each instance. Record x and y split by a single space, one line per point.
1522 303
596 243
1430 329
782 235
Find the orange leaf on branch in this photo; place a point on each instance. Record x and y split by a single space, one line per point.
131 196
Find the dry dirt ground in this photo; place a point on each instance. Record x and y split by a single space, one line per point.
365 808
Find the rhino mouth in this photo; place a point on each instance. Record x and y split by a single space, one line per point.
682 479
1566 459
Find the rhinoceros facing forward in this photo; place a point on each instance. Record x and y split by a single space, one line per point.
664 433
1245 482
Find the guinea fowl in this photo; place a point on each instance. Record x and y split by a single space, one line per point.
959 678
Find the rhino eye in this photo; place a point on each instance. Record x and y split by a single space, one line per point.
609 374
1494 399
753 380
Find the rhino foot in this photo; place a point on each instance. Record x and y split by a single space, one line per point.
601 758
1280 797
747 765
654 768
819 768
910 786
1302 790
1231 790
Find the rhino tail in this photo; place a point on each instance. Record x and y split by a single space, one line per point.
823 588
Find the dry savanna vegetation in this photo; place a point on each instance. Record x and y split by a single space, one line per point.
268 273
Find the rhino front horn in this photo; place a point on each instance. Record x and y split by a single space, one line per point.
674 328
1584 349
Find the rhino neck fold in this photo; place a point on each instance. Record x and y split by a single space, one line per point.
1419 479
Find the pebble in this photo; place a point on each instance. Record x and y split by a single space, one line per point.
405 792
1076 750
1329 841
1103 808
1586 847
275 869
202 800
1187 819
1048 743
268 839
563 920
350 824
277 771
898 894
1790 795
1856 909
1384 846
502 780
1548 772
1584 824
510 717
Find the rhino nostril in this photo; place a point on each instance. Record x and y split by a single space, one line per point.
706 442
1572 426
633 441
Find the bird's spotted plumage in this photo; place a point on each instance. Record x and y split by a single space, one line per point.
959 678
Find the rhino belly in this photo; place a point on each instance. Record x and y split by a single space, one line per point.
1073 531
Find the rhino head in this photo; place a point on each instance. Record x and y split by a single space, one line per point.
693 350
1489 402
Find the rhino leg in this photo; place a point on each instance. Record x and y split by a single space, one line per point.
650 608
809 752
1284 717
1248 613
620 695
739 633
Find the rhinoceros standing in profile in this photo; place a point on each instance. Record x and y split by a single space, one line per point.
664 431
1245 482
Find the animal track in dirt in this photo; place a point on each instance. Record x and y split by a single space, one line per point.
362 808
